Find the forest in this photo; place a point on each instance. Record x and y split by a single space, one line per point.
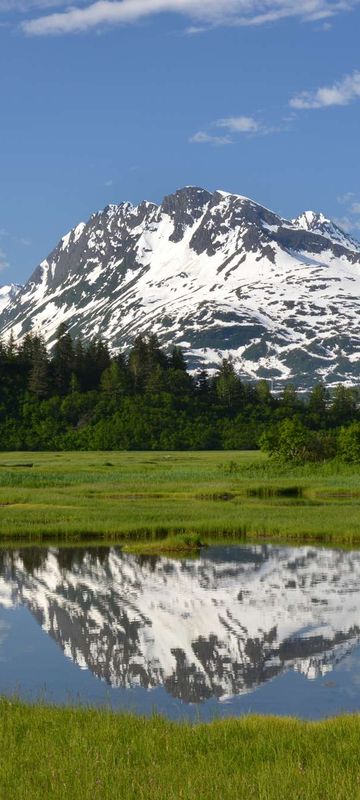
81 397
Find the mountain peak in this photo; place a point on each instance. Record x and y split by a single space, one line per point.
316 222
190 198
214 272
232 194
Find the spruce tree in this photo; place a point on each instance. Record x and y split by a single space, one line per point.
38 382
63 359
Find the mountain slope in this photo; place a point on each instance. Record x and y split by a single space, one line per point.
214 272
8 295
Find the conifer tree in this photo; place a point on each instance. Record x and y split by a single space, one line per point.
11 349
227 384
138 359
63 359
38 382
177 360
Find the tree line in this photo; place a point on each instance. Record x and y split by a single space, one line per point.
81 397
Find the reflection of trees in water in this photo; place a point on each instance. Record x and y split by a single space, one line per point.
70 557
192 685
35 557
150 561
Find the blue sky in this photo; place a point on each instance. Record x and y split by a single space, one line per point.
131 99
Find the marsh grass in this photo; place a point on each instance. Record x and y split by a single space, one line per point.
182 545
53 754
148 496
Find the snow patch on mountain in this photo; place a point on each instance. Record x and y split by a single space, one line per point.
7 295
215 270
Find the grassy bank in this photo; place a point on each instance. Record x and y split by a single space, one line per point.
52 754
139 496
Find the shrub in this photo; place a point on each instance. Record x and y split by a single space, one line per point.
349 443
291 441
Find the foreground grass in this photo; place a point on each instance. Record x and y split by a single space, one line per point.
185 496
52 754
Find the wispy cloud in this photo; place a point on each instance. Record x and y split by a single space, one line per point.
201 137
345 199
340 93
200 12
235 127
3 260
18 240
350 221
347 224
238 124
25 6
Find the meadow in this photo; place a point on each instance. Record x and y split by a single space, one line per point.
88 755
175 499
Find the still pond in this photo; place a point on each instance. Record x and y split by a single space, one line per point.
238 630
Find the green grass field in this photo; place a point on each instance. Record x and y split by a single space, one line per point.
149 496
52 754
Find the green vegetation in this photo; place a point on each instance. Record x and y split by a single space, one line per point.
81 398
190 497
304 486
52 754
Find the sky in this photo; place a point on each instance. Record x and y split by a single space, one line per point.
115 100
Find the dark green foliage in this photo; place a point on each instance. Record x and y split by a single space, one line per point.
63 360
291 441
82 398
39 374
349 443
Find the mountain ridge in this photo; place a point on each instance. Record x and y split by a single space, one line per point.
214 272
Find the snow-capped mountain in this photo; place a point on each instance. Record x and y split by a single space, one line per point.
216 627
216 273
7 295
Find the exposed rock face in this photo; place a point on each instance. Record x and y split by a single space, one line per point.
215 272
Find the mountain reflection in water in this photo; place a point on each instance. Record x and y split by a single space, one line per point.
214 627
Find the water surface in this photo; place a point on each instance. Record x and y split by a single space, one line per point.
261 629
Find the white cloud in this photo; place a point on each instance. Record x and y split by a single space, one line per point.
341 93
201 137
235 126
239 124
355 208
200 12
